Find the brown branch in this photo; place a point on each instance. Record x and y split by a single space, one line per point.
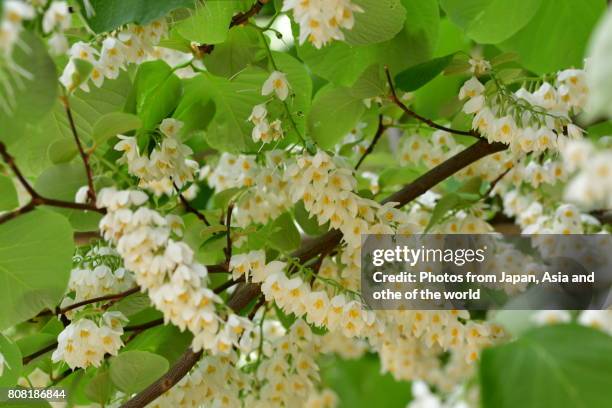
38 353
91 192
396 100
379 132
167 381
227 284
144 326
245 293
189 208
36 198
112 297
238 19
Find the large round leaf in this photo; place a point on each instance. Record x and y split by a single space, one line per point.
557 36
134 370
35 259
562 366
600 72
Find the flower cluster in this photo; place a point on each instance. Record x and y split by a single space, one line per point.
165 165
524 120
166 268
322 21
214 382
286 377
98 272
431 150
57 20
596 319
132 45
294 295
14 12
84 342
267 195
591 187
265 131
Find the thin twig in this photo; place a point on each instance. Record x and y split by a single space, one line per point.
115 297
497 180
260 303
91 192
228 228
418 117
379 132
38 353
189 208
238 19
227 284
36 199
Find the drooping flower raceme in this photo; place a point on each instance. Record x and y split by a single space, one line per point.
165 267
84 342
322 21
165 166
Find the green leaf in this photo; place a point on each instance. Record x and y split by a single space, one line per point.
309 224
100 388
132 304
284 234
359 383
438 98
209 23
393 176
8 194
557 36
61 182
26 99
600 69
242 47
561 366
110 14
417 76
35 260
12 362
36 341
167 341
334 112
134 370
55 139
157 91
343 64
421 27
112 124
81 73
301 85
380 21
234 100
491 21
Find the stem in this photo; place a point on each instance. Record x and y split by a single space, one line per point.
429 122
189 208
36 198
228 226
91 193
115 297
379 132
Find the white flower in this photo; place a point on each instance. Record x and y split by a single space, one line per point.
81 195
544 317
57 15
277 83
2 364
258 114
170 127
58 44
